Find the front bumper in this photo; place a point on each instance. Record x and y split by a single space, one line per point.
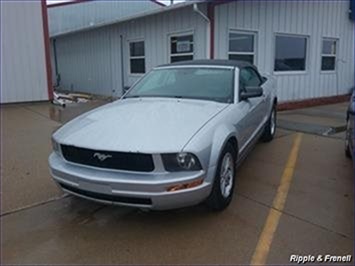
143 190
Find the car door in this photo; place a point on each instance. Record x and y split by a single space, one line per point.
248 77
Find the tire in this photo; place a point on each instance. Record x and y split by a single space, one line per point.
270 127
223 185
347 141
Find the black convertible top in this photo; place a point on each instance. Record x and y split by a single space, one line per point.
212 62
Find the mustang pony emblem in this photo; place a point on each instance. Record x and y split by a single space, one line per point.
102 157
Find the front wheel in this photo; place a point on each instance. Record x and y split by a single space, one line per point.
270 127
223 185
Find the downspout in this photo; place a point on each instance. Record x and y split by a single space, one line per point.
209 53
57 75
47 55
122 67
211 15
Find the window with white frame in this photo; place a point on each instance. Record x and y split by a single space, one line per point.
329 47
137 57
181 48
242 46
290 53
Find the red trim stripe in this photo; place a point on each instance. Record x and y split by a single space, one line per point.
312 102
47 49
210 15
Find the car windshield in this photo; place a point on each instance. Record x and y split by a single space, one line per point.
215 84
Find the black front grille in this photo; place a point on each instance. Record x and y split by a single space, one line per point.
106 197
109 159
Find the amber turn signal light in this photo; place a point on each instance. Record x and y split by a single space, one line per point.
185 186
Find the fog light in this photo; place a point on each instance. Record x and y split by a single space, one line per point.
185 186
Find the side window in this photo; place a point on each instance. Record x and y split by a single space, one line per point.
181 48
248 78
242 46
137 57
329 53
290 53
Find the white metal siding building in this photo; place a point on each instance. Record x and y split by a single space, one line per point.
308 46
315 21
23 60
94 61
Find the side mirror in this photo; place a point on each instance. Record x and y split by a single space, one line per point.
264 79
251 92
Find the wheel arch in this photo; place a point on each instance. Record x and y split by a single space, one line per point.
234 142
221 138
215 200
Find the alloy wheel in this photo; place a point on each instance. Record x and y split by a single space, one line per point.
227 175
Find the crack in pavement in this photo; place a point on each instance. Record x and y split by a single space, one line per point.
37 113
34 205
88 217
297 217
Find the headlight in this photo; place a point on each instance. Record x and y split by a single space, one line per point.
55 146
183 161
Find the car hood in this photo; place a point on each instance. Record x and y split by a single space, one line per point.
143 125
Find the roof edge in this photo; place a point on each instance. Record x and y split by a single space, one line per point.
158 3
140 15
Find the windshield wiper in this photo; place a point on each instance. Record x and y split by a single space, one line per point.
132 96
152 96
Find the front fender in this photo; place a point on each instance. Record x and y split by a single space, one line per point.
209 144
220 138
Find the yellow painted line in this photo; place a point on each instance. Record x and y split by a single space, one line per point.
263 247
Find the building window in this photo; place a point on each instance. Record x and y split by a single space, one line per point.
137 57
328 54
181 48
242 46
290 53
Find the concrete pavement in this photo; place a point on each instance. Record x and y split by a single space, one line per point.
25 147
326 120
318 217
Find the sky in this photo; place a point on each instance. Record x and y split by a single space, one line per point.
61 1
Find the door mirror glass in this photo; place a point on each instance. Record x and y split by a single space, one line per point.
251 92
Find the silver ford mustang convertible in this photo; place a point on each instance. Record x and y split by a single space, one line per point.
173 140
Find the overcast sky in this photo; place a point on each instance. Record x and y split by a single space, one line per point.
61 1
